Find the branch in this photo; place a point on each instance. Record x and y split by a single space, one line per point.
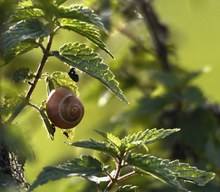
159 33
138 41
34 83
40 68
114 179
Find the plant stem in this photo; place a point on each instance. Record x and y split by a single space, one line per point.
40 68
34 83
123 177
117 173
34 106
159 32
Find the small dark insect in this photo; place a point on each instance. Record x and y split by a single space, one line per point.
73 75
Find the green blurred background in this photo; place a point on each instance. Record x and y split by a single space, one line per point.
194 35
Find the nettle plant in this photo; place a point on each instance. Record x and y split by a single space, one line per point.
34 24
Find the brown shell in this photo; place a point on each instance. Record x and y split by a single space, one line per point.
63 108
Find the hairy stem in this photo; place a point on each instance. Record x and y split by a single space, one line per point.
35 81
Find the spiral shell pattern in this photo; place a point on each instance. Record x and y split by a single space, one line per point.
63 108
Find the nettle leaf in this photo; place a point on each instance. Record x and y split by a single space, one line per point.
86 167
145 137
83 58
85 30
20 75
169 171
26 13
24 4
21 31
58 79
19 49
173 80
48 125
190 173
105 147
80 13
111 138
10 104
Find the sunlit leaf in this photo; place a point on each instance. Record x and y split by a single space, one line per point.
171 172
23 47
85 30
86 167
26 13
80 13
24 4
58 79
112 138
81 57
69 133
21 31
145 137
105 147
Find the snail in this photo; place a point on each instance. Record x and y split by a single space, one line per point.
63 108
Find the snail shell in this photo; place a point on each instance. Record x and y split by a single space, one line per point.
63 108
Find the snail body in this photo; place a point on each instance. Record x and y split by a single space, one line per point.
63 108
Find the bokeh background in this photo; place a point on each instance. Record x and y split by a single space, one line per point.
193 44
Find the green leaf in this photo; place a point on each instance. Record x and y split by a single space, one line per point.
86 167
21 74
193 95
147 106
49 126
189 173
174 80
58 79
10 104
80 13
105 147
7 183
127 188
145 137
14 139
24 4
21 31
81 57
198 126
85 30
19 49
169 171
112 138
26 13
